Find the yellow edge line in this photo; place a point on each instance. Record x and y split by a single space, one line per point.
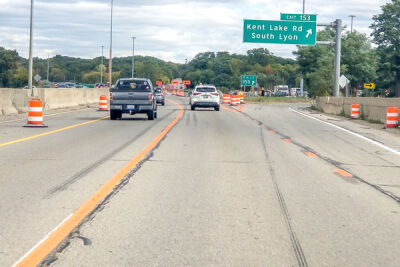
48 244
50 132
48 115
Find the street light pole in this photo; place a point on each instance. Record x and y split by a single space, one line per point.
352 17
48 67
30 52
110 59
101 66
133 56
301 74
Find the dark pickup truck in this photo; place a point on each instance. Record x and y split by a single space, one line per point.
133 95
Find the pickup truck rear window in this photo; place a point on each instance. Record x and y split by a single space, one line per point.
133 85
205 89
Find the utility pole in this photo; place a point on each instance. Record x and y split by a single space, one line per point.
352 17
133 56
304 6
48 67
101 66
338 48
110 59
30 52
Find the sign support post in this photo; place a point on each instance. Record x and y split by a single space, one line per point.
338 47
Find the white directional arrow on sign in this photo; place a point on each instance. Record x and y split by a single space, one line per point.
308 33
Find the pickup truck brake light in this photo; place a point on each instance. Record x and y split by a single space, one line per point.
111 96
150 96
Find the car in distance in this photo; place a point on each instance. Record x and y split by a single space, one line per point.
27 87
133 95
160 96
205 96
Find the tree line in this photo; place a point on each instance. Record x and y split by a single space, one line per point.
361 62
220 68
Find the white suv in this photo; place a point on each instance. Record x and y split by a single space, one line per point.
205 96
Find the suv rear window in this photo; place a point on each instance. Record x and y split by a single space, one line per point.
205 89
134 85
158 90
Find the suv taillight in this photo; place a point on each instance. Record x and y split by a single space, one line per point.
214 93
196 93
150 96
111 96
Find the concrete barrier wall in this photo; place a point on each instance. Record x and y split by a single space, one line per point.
372 108
14 101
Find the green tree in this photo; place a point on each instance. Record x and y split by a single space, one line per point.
316 64
20 78
359 58
93 77
8 64
386 34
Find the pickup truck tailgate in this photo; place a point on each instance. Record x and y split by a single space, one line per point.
130 97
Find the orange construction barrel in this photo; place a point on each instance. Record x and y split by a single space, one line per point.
392 117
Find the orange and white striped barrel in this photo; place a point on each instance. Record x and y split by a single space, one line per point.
241 99
35 113
103 105
180 92
392 117
234 100
173 92
355 111
226 99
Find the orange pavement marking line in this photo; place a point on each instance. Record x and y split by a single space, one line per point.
287 140
229 109
343 173
272 131
310 154
48 244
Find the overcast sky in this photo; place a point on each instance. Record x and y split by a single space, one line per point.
172 30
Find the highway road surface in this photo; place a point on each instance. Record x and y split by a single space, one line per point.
259 185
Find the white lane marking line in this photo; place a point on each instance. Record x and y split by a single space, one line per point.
42 240
350 132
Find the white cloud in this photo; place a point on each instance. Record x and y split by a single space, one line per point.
171 30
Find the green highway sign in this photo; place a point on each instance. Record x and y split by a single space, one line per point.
299 17
248 80
280 32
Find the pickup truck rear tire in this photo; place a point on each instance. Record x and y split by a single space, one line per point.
192 107
216 108
163 103
114 114
151 115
